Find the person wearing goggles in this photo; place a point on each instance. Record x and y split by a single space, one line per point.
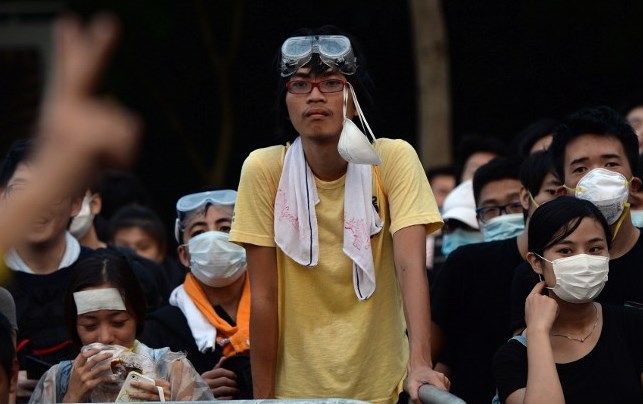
332 223
208 315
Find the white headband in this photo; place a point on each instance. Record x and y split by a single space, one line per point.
98 299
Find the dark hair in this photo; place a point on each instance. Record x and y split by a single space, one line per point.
116 189
105 266
20 151
437 171
534 169
639 168
553 221
7 351
537 130
471 144
600 121
361 80
136 215
497 169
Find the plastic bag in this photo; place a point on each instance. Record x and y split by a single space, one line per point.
122 362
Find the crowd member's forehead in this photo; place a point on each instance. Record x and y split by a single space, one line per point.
590 149
499 192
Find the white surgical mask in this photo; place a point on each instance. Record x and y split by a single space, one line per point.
82 222
607 190
579 278
637 218
214 260
353 145
503 227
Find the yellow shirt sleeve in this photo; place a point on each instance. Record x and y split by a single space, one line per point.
407 189
253 220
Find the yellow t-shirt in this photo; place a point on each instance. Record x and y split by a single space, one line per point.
330 343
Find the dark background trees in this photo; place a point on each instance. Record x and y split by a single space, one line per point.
202 73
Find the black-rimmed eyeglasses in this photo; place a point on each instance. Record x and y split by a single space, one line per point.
487 213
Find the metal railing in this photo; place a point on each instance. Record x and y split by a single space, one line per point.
433 395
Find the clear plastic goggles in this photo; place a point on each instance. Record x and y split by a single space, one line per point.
193 203
333 50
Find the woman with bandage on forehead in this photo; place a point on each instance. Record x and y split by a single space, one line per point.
105 309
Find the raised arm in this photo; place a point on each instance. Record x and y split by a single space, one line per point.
77 131
543 384
409 252
264 320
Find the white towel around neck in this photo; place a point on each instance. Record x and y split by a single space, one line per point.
204 333
295 222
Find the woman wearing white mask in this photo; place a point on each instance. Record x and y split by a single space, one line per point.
209 313
573 350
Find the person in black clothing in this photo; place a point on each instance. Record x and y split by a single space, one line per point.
208 315
40 262
470 298
573 350
589 145
8 362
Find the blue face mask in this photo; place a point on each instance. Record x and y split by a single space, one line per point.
637 217
457 238
503 227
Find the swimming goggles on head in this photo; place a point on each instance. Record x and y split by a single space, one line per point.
190 203
194 202
333 50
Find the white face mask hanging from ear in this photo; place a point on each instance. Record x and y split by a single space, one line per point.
82 222
353 145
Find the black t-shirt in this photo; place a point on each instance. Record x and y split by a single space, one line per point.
470 302
624 285
43 339
610 373
168 327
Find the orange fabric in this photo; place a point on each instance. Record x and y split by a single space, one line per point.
234 340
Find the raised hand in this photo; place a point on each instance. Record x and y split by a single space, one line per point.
540 310
73 119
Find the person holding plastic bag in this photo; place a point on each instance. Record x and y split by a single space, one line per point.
105 310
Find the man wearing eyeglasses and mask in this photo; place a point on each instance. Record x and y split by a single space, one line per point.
208 315
470 296
332 224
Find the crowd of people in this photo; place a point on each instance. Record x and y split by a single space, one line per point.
338 268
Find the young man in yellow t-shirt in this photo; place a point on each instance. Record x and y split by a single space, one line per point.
334 229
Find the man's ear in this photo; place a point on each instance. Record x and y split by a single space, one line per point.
184 255
96 205
524 198
561 190
635 184
535 262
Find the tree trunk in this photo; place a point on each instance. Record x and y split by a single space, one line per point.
432 70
